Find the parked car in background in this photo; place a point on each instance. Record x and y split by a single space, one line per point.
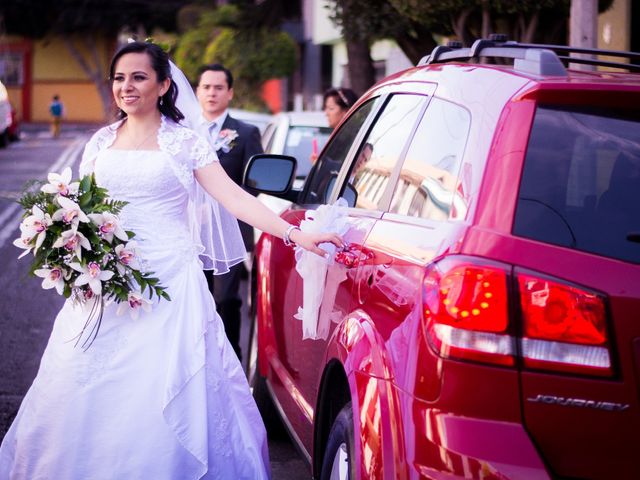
6 119
260 120
482 321
14 128
297 134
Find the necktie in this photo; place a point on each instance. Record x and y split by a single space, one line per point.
212 129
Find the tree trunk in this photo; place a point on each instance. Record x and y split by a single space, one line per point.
361 71
459 26
93 69
529 33
486 19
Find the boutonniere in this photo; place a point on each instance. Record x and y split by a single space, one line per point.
226 140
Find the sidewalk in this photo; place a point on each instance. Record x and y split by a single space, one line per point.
67 130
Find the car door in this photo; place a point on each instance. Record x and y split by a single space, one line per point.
301 360
294 363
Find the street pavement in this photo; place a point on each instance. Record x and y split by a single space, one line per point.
27 312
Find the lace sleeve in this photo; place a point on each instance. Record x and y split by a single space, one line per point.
103 138
202 154
213 227
89 156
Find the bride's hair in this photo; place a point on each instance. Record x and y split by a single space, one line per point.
160 63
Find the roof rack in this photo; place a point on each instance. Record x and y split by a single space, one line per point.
538 59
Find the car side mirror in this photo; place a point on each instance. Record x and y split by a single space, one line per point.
269 173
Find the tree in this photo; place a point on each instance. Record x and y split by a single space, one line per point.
239 40
82 23
364 21
415 25
543 21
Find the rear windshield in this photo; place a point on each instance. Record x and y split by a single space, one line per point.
299 144
580 186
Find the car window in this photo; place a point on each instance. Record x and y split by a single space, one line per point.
579 189
382 149
329 163
299 144
428 183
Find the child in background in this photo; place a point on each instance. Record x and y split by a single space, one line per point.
56 110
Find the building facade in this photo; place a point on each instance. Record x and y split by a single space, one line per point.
35 70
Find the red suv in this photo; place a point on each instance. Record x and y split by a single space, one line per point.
484 321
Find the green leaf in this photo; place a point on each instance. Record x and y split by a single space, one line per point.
85 183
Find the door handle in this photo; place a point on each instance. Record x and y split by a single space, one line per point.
352 255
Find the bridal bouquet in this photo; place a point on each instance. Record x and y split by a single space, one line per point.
79 248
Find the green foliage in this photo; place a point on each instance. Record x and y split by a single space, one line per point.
254 55
369 20
188 54
543 20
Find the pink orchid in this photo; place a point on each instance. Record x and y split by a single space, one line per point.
126 255
134 303
108 226
73 241
60 183
25 242
91 274
53 278
70 213
36 225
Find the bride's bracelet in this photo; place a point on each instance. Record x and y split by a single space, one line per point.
287 235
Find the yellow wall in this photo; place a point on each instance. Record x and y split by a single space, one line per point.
53 61
80 99
56 72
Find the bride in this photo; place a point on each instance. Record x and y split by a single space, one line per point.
163 396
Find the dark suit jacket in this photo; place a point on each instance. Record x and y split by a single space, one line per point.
234 162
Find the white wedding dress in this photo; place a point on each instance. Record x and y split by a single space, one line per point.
159 397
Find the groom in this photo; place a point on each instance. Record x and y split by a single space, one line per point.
235 142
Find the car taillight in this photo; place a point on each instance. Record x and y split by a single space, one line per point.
564 327
467 310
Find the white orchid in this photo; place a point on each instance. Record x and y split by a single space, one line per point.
25 242
72 241
135 302
70 212
126 255
108 226
53 278
60 183
35 225
91 274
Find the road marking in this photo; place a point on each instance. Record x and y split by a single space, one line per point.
10 216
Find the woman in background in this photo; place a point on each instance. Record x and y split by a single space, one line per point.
336 102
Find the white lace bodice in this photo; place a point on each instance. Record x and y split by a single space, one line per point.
185 148
157 208
167 207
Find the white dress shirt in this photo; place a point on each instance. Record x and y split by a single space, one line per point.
215 125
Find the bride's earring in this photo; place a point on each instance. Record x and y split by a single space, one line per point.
160 101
